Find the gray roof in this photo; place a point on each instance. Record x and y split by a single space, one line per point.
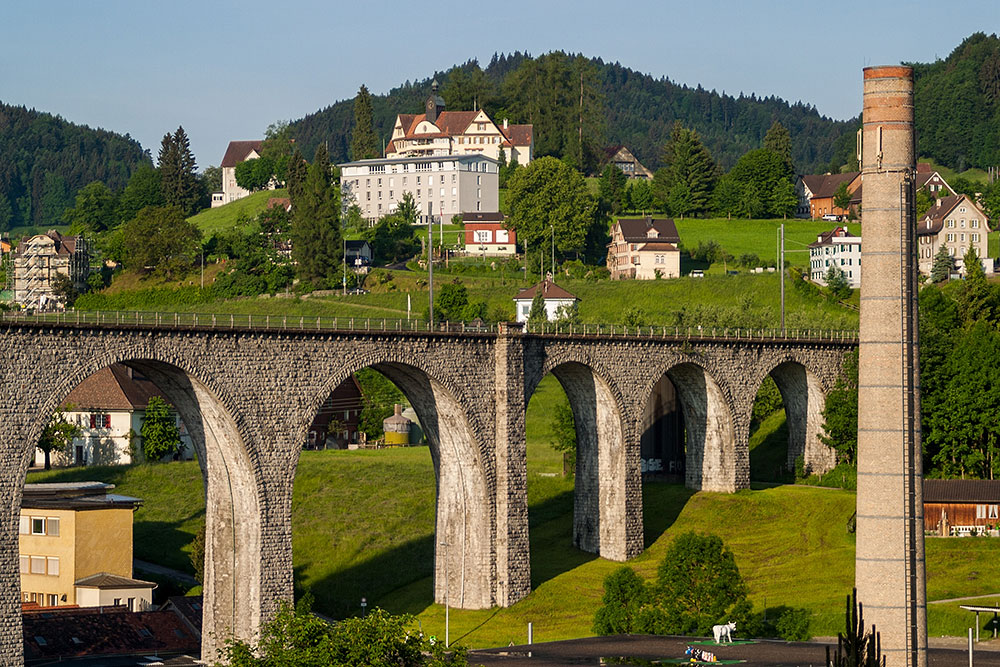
108 580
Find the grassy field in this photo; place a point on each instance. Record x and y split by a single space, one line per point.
213 220
790 542
745 300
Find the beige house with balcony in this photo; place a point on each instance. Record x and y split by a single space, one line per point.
644 249
237 151
956 223
38 261
440 132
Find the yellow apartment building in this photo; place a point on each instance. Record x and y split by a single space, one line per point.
76 547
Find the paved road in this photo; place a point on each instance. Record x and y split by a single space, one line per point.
595 651
153 568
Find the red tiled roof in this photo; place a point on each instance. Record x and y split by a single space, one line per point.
549 291
451 123
961 490
284 202
518 135
825 185
637 231
115 387
826 237
92 631
238 151
657 246
938 211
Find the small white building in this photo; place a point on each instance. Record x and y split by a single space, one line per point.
555 298
109 407
486 234
111 590
838 248
441 185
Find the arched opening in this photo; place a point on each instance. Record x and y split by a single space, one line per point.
216 488
687 431
600 506
400 514
780 450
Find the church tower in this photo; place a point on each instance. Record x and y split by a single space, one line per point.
435 103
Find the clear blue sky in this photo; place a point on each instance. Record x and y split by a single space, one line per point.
226 70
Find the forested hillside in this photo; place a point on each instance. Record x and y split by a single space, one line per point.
45 160
621 106
958 105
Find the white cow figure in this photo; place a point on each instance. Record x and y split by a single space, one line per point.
724 631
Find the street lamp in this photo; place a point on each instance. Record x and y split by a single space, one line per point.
447 627
364 603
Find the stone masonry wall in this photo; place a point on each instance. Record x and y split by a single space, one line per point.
249 397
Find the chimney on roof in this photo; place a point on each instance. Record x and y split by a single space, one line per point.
938 202
505 123
649 222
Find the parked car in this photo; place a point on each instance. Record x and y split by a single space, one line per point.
831 217
697 273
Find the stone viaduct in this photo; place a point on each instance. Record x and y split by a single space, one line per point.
248 396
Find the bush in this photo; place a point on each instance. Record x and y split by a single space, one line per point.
698 586
624 594
793 625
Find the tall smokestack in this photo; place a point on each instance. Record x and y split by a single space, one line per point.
889 566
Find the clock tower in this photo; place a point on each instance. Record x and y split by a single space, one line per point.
434 104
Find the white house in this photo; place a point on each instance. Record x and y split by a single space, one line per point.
238 151
838 248
555 298
108 407
486 234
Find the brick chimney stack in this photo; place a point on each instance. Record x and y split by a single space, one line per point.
889 558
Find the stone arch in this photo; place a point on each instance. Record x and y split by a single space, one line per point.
233 602
464 566
804 397
711 454
607 511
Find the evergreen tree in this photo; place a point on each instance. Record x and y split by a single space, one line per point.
611 189
777 140
784 201
943 265
363 139
316 235
842 197
690 171
640 194
978 299
537 315
298 170
178 174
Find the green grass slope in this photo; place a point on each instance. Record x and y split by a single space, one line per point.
225 217
363 525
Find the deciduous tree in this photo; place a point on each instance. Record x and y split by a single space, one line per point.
57 436
160 239
549 195
94 210
624 594
160 435
840 414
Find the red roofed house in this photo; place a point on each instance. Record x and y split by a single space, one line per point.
816 194
556 299
238 151
486 234
440 132
107 407
644 249
958 224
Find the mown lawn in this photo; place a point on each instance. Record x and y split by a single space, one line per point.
363 524
226 217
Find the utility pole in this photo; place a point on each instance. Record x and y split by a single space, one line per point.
553 263
447 625
525 262
345 268
781 276
203 268
430 270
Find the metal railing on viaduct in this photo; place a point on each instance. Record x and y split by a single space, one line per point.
176 320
